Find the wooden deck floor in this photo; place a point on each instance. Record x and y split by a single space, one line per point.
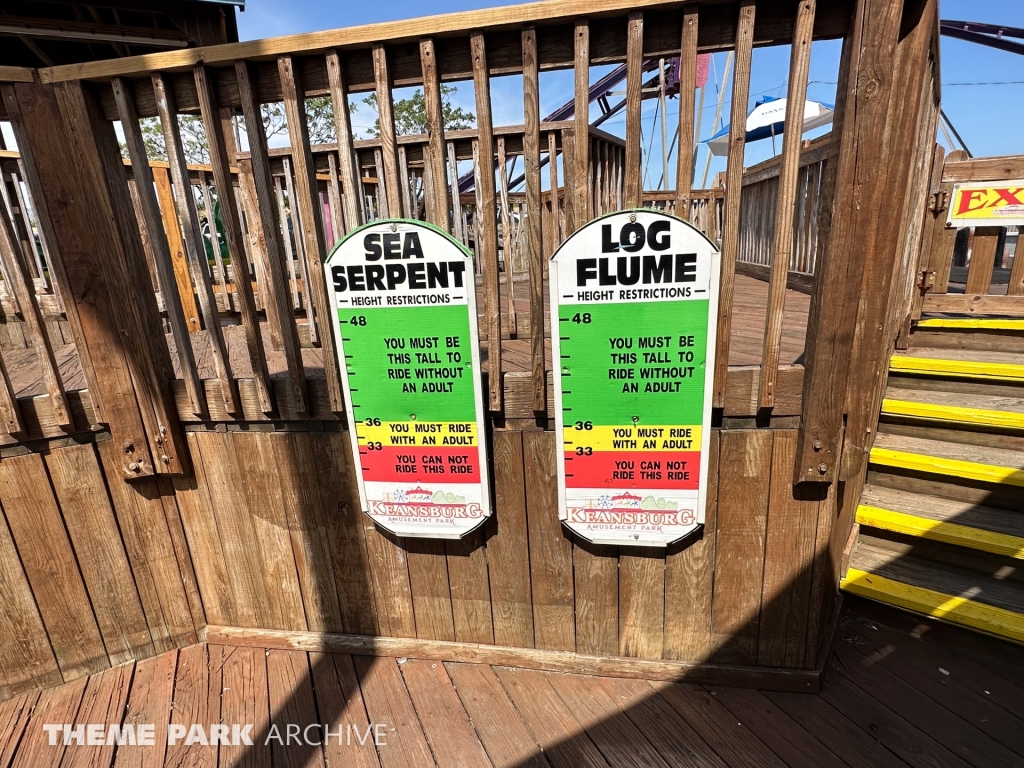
900 692
746 346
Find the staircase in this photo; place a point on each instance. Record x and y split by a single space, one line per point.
942 515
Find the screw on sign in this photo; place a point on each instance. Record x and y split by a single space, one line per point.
408 348
634 299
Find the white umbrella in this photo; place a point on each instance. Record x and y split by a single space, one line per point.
768 119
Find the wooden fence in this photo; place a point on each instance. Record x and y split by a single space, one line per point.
240 506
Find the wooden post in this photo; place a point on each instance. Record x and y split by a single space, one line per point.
876 119
733 193
435 137
99 264
534 240
633 185
386 115
343 129
488 217
581 124
687 86
799 65
179 261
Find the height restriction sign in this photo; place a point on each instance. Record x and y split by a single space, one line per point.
634 303
406 334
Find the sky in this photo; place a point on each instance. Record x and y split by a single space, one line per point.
982 94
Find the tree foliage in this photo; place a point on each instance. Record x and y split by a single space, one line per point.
411 114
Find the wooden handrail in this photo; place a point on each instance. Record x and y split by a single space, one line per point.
1002 168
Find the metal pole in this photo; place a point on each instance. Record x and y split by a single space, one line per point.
718 117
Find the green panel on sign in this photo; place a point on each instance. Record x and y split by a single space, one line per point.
405 361
644 360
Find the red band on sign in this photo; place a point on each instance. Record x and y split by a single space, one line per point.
439 465
633 469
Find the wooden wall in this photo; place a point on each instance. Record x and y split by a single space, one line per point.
95 571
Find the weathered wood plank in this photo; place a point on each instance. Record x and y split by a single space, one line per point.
268 224
106 695
245 699
788 560
49 562
745 458
197 698
292 702
533 243
431 593
632 185
195 248
687 88
489 248
550 548
782 250
689 576
596 597
444 720
435 149
161 238
55 705
983 260
340 704
343 131
14 717
150 703
641 602
89 519
734 187
387 701
176 245
389 572
581 121
385 112
306 200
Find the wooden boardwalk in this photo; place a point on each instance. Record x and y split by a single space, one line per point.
751 299
900 692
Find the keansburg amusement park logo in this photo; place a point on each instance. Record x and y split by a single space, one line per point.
420 505
627 511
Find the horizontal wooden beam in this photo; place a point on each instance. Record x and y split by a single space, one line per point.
795 281
974 304
15 75
984 169
763 678
717 32
87 31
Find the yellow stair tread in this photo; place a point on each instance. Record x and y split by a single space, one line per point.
960 523
973 462
946 592
973 323
954 408
958 363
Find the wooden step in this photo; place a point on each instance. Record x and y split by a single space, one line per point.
970 410
960 523
971 462
980 365
973 323
938 590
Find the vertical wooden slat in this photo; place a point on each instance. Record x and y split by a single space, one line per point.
733 192
458 215
508 248
343 128
596 598
146 192
550 548
799 65
10 412
194 241
334 195
403 170
21 284
581 123
312 225
687 87
383 208
211 218
534 241
294 216
435 136
385 112
553 237
276 293
569 173
746 460
633 191
220 139
689 576
641 602
1016 285
182 282
484 182
983 260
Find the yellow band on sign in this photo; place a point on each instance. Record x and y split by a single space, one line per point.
676 437
418 433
